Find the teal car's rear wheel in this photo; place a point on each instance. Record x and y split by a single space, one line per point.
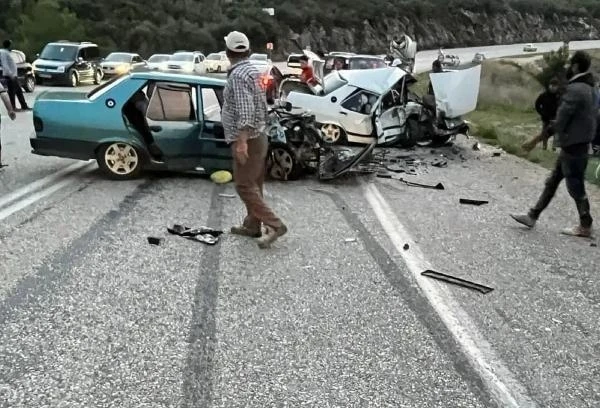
119 161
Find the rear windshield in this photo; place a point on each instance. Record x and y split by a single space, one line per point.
366 63
107 85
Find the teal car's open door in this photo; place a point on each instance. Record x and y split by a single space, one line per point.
172 117
215 152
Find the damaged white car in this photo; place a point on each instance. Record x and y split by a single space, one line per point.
359 106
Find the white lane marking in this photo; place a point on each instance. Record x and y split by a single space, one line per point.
26 202
30 188
501 383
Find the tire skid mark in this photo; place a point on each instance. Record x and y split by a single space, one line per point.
198 372
49 278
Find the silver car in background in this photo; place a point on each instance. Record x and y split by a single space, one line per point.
158 61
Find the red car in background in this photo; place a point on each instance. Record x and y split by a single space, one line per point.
270 79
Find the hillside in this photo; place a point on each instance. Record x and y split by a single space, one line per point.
166 25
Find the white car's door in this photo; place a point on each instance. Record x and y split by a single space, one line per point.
199 65
355 113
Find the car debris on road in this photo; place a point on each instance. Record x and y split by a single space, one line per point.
457 281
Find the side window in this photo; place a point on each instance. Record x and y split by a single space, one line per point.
201 57
82 54
137 58
211 106
92 53
360 102
197 60
172 102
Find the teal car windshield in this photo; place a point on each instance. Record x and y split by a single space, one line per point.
59 52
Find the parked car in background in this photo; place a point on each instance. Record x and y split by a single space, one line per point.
24 70
271 78
479 58
351 61
217 62
119 63
529 48
68 62
187 62
158 61
448 60
259 57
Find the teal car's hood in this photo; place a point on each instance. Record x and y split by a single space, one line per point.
61 96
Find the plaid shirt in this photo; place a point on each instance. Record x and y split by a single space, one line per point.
244 102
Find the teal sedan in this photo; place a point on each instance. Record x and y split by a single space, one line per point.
144 120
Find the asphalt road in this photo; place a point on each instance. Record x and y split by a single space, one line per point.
335 315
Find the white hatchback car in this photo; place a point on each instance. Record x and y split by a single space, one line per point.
187 62
358 106
217 62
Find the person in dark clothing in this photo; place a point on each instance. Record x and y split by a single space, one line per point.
10 76
574 128
135 110
436 67
546 106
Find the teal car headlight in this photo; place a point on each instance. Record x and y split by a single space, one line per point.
61 69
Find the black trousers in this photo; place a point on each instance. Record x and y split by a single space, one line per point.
571 168
14 90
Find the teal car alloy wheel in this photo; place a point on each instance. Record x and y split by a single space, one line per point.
119 161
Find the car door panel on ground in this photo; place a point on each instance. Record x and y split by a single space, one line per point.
216 153
172 116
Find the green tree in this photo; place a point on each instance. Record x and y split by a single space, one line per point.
46 21
553 66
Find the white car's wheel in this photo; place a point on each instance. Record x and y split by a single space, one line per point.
120 161
332 134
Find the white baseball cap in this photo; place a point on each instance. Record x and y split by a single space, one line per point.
237 42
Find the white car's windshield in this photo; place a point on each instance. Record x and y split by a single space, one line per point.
214 57
184 57
158 58
118 57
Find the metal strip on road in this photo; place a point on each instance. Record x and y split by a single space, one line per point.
53 182
501 383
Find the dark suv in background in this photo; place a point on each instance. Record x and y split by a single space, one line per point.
68 62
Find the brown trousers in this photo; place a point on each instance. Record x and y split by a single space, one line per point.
249 179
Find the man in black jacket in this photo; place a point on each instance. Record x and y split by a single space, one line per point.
574 128
546 106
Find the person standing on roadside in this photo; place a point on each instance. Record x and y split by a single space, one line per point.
574 128
10 74
11 114
307 76
546 105
244 116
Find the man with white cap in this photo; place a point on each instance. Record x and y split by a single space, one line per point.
244 116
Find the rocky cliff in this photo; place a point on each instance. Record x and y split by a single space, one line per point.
460 29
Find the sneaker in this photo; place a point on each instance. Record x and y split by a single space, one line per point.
578 231
524 219
245 232
271 236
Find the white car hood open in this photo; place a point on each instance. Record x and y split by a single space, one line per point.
456 92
